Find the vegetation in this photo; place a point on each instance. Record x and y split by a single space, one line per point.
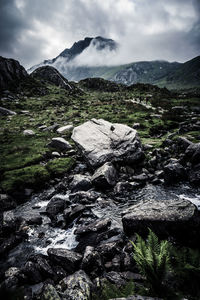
171 272
58 106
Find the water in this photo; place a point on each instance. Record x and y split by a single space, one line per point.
44 236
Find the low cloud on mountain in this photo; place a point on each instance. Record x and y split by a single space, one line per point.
32 31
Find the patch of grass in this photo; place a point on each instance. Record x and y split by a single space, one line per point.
29 177
59 166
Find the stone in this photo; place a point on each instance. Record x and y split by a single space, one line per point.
105 176
6 202
194 175
49 293
81 183
55 206
71 213
28 132
65 129
123 187
97 226
92 261
68 259
6 112
174 172
60 144
77 286
175 218
101 141
193 153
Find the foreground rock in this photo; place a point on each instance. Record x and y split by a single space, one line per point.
77 286
105 176
101 141
69 260
177 218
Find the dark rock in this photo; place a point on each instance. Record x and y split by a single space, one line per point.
91 196
9 243
6 202
183 143
11 72
194 175
123 187
32 273
105 176
43 266
176 218
91 261
99 144
115 278
97 226
174 172
109 250
77 286
68 259
81 183
71 213
193 153
51 75
55 206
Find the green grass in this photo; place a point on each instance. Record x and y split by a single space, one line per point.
59 166
29 177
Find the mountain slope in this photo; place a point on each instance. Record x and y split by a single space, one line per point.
75 64
186 75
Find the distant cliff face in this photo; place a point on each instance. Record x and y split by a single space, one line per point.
11 72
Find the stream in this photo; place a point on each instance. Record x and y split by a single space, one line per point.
44 236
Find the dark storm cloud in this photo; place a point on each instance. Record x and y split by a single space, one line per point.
31 31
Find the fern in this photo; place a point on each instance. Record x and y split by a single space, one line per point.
153 260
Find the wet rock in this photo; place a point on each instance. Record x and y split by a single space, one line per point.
194 175
6 202
142 178
55 206
176 218
65 129
137 297
105 176
193 153
97 226
6 112
109 250
81 183
28 132
73 212
92 261
183 143
91 196
32 273
115 278
9 243
123 187
88 235
101 141
68 259
174 172
60 144
77 286
43 266
49 293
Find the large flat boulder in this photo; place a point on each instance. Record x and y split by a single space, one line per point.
177 218
101 141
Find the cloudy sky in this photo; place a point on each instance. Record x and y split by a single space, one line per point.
34 30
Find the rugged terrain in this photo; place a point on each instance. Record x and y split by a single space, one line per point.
84 168
172 75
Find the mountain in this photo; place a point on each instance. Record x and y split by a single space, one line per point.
11 73
187 75
75 65
99 43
